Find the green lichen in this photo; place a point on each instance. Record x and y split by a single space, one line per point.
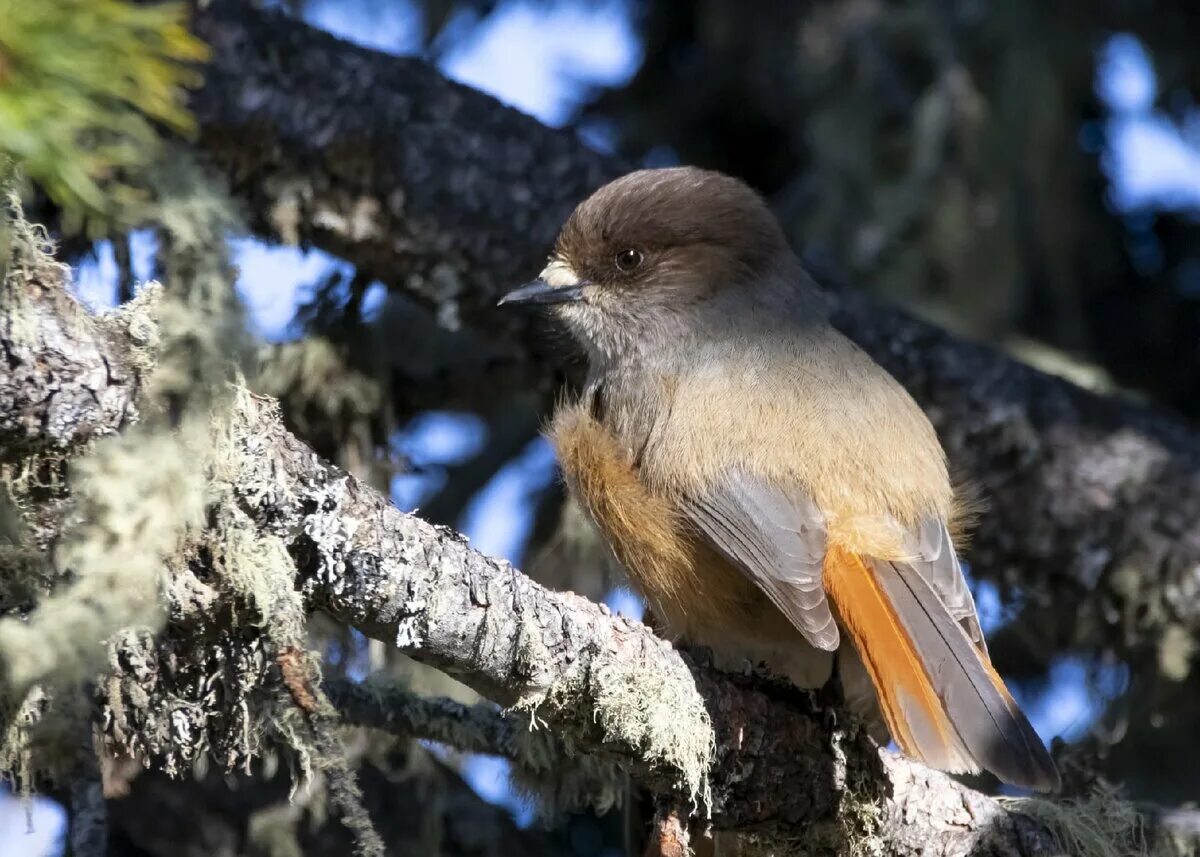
662 716
135 497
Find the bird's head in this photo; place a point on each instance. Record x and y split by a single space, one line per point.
655 253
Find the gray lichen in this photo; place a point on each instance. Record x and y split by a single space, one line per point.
135 539
664 715
1102 824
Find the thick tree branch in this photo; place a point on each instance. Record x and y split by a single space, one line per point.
603 684
446 193
63 379
443 227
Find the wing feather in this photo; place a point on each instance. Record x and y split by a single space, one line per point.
935 559
777 539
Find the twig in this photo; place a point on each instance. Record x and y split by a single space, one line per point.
88 813
298 677
478 728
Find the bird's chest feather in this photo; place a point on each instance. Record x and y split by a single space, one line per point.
792 415
693 593
693 590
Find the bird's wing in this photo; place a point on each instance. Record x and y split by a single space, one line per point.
912 621
777 538
935 559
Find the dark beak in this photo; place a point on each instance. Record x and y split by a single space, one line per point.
539 292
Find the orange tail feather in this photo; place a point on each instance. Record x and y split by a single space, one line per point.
940 697
910 705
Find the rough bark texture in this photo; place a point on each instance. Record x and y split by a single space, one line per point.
61 385
444 192
765 762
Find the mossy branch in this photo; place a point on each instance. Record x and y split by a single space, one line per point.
562 778
603 685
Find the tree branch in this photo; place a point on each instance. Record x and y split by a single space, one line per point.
564 778
603 684
472 728
65 380
442 191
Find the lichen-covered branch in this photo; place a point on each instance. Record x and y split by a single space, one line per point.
131 498
64 382
563 778
759 761
72 380
478 728
444 192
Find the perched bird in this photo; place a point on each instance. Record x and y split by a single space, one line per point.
773 492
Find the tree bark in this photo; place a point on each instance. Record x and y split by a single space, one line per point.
443 192
65 380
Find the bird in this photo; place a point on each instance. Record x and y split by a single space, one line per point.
774 494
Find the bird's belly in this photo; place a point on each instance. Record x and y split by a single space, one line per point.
710 603
696 595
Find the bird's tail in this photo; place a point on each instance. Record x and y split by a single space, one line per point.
942 700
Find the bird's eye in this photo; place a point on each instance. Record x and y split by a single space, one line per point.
627 260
